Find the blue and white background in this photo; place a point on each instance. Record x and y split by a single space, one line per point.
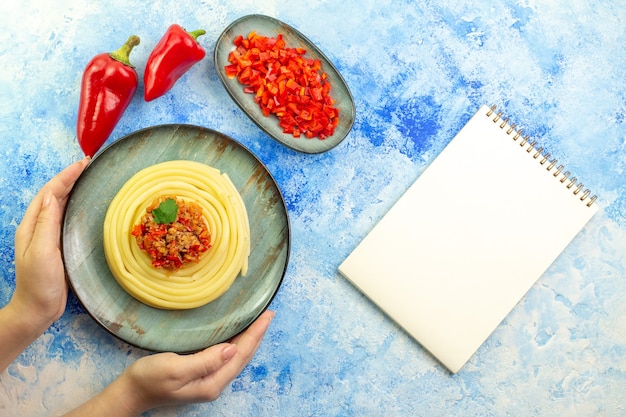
417 70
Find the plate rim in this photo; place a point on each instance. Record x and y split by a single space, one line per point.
286 142
103 151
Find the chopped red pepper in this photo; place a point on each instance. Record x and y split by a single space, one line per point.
176 52
285 83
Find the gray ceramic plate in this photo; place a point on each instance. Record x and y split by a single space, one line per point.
185 330
268 26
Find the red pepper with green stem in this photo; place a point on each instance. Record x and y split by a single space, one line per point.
108 85
176 52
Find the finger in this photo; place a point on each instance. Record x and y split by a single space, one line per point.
59 187
26 228
225 361
247 344
46 236
249 340
208 361
64 181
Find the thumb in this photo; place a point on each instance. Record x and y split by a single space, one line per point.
208 361
48 227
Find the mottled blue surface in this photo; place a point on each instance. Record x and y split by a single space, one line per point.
418 71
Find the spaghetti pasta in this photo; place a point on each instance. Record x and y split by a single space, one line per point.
226 217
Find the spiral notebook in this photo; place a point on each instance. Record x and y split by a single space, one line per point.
470 237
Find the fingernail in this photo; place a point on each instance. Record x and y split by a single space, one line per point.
229 351
46 199
269 316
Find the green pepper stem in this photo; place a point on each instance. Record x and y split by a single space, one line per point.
197 33
123 54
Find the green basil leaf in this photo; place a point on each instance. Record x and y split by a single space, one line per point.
166 212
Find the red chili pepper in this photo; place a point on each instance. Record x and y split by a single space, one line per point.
176 52
108 84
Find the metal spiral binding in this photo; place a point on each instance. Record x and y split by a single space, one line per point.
572 183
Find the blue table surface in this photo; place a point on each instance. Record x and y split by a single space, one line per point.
417 71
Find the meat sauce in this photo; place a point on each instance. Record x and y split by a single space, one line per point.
177 244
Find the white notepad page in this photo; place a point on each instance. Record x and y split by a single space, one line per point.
469 238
